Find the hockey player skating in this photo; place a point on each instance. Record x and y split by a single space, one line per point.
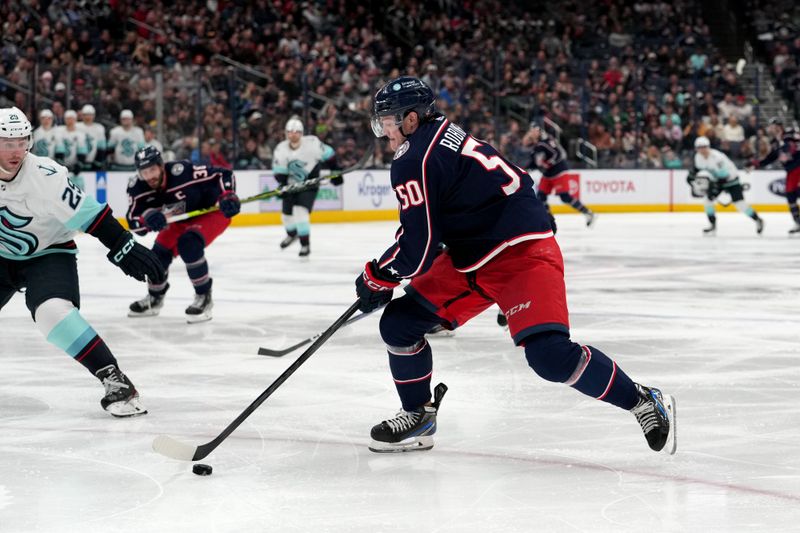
40 212
722 175
786 149
299 158
549 157
455 189
165 189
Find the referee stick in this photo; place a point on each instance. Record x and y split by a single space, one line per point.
175 449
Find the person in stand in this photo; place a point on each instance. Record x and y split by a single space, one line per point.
167 189
551 160
299 158
41 210
720 173
455 189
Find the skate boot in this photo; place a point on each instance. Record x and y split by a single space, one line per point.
591 218
150 305
656 414
710 230
305 250
502 321
200 310
121 399
288 240
410 430
796 229
441 331
759 225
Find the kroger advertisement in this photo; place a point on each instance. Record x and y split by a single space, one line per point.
369 191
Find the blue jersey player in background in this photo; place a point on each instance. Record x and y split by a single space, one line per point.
455 189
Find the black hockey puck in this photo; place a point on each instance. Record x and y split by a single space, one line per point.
202 470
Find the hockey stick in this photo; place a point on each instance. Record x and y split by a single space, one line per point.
287 189
174 449
293 347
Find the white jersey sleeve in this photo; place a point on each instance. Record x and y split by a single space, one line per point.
41 210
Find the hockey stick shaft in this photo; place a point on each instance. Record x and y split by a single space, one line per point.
177 450
290 349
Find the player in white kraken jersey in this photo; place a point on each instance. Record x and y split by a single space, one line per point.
73 147
715 173
124 141
45 137
40 212
298 158
95 138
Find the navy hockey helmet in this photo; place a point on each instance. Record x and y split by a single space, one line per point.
147 157
398 98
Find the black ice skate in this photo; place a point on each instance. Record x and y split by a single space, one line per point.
121 399
710 230
305 250
409 430
200 310
656 414
759 225
502 321
591 218
288 240
796 229
150 305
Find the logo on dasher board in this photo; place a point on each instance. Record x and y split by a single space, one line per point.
778 187
373 191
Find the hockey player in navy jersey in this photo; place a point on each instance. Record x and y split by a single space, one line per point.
787 151
455 189
165 189
41 210
550 159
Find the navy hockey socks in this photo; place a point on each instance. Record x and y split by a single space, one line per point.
411 369
191 248
554 357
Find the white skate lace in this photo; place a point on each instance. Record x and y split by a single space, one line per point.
403 421
199 300
645 413
113 383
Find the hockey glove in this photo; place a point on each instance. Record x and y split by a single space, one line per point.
229 204
337 180
136 260
154 219
374 289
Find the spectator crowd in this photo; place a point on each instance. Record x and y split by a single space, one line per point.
639 80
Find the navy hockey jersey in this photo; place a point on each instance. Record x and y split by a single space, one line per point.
457 190
187 187
787 152
548 157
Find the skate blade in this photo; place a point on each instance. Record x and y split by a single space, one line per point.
134 314
445 333
672 438
132 407
196 319
414 444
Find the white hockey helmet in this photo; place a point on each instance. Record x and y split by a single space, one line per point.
294 124
14 124
702 142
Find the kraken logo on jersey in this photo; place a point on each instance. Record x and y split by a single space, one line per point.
12 238
297 170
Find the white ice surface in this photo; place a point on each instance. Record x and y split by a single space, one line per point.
710 320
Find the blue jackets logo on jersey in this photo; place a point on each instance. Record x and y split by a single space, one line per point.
12 238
